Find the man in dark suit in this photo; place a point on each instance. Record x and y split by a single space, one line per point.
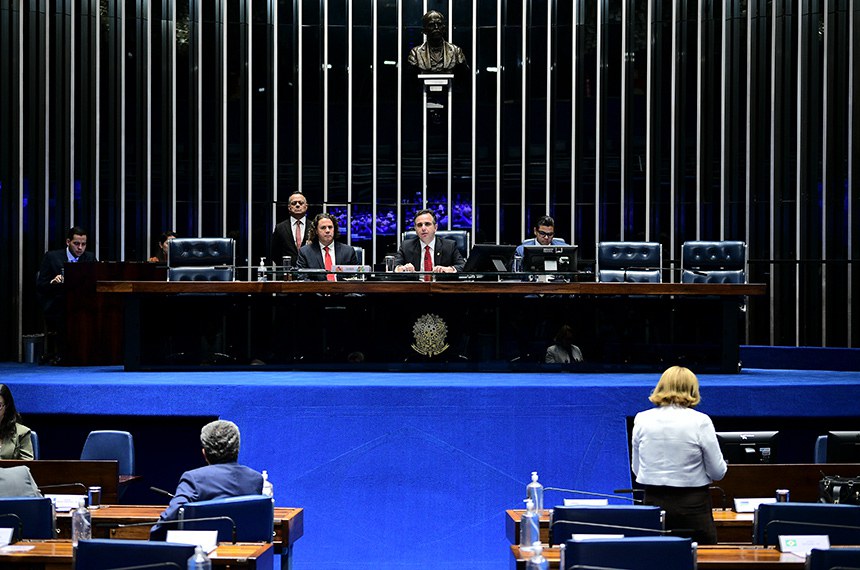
323 252
222 477
49 284
428 253
291 234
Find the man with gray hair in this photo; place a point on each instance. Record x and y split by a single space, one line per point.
222 477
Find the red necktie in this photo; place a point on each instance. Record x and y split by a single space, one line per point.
330 277
428 262
299 235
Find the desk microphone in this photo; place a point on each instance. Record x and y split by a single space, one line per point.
162 492
615 527
20 525
590 567
592 494
722 491
153 565
178 521
61 485
802 523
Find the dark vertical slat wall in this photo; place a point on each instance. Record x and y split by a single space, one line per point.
624 119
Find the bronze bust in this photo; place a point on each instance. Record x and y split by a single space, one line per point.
436 55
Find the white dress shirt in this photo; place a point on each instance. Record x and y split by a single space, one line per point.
675 446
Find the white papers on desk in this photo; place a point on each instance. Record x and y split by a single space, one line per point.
65 503
205 539
6 536
586 502
749 505
582 537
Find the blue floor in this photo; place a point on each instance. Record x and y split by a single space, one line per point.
411 470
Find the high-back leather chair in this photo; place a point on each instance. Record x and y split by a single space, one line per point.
821 449
713 262
840 522
640 520
34 439
642 553
460 237
105 554
629 261
31 517
111 444
252 515
201 259
831 558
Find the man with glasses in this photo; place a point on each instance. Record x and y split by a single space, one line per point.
544 235
291 234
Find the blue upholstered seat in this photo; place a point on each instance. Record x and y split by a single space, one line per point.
111 444
34 439
105 554
821 449
32 517
629 261
641 553
713 262
774 519
833 558
639 520
253 516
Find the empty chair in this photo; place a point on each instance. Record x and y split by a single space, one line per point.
34 439
105 554
842 558
840 522
201 259
460 237
629 520
641 553
629 261
713 262
32 517
252 515
111 444
821 449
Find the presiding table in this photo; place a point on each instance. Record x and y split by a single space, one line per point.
58 555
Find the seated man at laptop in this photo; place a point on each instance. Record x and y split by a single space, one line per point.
544 231
322 252
428 253
221 477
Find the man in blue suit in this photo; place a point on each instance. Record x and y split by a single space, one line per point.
222 477
323 252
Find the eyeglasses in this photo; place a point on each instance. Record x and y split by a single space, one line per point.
545 234
297 203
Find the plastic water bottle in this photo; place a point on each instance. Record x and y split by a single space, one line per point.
82 524
537 562
529 527
199 560
268 488
261 271
534 491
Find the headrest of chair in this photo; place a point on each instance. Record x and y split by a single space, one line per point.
183 252
713 255
628 254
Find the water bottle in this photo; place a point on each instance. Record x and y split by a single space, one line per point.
261 272
529 527
537 562
268 488
82 524
199 560
534 491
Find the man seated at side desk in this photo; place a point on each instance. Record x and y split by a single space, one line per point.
222 477
544 231
428 253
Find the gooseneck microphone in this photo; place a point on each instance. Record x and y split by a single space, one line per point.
20 524
804 523
722 491
62 485
592 494
178 521
614 527
150 566
162 492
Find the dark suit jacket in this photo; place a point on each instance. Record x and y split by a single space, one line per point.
310 257
205 483
284 241
51 295
445 253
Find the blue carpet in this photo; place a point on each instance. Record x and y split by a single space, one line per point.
410 470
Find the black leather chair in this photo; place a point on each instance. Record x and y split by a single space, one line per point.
839 522
201 259
713 262
629 261
832 558
460 237
103 554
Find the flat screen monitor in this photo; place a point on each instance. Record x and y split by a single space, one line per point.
550 258
843 447
749 446
490 258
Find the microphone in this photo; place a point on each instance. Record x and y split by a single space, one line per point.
153 565
803 523
632 492
178 521
661 532
590 567
720 489
61 485
592 494
20 524
162 492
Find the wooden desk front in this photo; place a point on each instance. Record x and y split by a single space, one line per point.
732 527
104 474
707 558
58 555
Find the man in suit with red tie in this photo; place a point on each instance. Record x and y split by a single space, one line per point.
323 252
428 253
290 235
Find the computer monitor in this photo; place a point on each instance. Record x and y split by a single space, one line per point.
489 258
550 258
843 447
749 446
